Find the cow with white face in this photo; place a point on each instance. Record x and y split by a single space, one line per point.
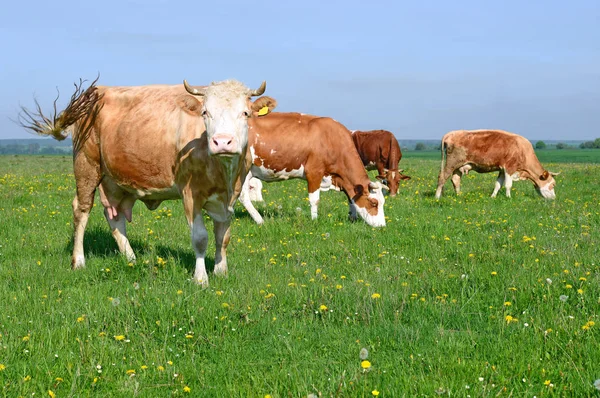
154 143
486 151
294 145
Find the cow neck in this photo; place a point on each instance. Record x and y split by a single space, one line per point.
232 168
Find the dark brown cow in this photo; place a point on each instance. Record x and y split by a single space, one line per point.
493 150
294 145
154 143
379 150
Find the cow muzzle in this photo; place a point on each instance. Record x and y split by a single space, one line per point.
224 145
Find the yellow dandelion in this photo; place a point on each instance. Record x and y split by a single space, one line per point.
130 372
119 337
26 338
170 363
507 303
143 367
580 291
322 307
189 336
375 393
547 383
102 334
375 296
180 292
51 393
365 364
58 379
81 319
187 389
2 367
225 305
160 368
494 273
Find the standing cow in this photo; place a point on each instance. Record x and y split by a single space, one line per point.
294 145
154 143
493 150
379 150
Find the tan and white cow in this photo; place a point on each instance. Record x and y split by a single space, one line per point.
294 145
154 143
486 151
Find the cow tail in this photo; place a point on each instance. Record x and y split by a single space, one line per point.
83 108
444 149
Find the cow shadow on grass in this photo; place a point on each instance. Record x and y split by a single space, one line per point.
99 242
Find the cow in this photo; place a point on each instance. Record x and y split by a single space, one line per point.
155 143
295 145
486 151
379 150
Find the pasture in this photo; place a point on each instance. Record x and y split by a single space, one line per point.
466 296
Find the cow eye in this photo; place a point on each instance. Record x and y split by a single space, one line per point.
204 113
246 114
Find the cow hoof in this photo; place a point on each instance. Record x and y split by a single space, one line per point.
220 271
202 282
78 262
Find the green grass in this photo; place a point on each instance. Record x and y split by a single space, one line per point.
454 297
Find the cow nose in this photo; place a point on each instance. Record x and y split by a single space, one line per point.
223 144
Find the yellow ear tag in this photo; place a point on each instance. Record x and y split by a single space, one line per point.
263 111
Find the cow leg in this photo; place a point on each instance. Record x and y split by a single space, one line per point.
314 194
87 179
255 187
199 234
499 182
456 176
118 227
442 178
247 203
222 237
508 184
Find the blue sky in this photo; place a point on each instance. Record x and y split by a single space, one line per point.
419 69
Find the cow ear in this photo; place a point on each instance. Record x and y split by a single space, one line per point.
380 177
263 106
404 177
545 175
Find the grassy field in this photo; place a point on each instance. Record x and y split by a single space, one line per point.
466 296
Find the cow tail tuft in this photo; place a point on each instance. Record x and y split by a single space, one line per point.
83 108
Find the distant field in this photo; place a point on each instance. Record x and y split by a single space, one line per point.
466 296
546 155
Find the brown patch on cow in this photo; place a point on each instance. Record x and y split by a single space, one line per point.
189 104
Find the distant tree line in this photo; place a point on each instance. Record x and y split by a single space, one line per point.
33 149
590 144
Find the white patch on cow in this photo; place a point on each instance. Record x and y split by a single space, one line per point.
273 151
327 184
377 220
255 187
269 175
244 199
547 190
313 199
516 175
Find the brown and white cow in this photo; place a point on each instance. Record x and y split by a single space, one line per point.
493 150
379 150
154 143
294 145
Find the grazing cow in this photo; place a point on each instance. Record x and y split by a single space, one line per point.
379 150
154 143
493 150
294 145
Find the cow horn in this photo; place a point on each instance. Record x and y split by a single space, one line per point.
260 90
554 174
193 90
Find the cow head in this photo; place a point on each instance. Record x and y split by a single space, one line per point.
545 185
392 180
368 203
226 108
